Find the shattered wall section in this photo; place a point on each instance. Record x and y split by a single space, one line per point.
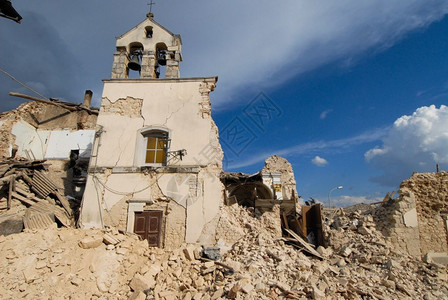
277 164
403 237
416 222
235 222
28 126
431 195
129 107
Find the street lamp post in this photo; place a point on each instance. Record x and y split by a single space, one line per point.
329 194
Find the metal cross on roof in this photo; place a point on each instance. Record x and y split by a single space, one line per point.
151 3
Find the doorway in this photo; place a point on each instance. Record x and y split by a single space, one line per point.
148 225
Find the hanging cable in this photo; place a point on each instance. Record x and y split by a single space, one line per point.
22 84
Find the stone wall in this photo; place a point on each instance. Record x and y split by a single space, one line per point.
415 222
431 195
278 164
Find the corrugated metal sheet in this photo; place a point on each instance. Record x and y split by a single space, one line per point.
50 209
38 221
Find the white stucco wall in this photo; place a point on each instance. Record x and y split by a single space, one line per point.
137 34
30 142
175 104
170 103
61 142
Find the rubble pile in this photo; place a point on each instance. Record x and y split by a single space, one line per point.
28 193
358 263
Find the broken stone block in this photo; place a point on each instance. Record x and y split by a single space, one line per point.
393 264
110 239
247 288
346 251
364 230
325 252
154 269
389 284
137 296
102 286
122 251
40 265
219 292
138 283
189 254
438 258
233 293
341 263
30 274
208 264
317 293
90 242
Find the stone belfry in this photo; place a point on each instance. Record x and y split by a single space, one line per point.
149 49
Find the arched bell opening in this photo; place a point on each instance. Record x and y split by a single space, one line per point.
247 193
161 57
135 60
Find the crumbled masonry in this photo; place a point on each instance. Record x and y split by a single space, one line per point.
59 263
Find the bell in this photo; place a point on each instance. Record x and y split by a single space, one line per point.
161 58
134 63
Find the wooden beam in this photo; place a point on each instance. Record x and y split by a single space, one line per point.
67 107
303 243
41 100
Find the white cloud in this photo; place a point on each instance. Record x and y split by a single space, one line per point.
325 113
300 149
319 161
414 143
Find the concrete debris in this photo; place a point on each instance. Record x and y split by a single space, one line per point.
258 266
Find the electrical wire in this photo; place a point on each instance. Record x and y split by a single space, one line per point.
22 84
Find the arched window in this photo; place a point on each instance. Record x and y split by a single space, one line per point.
152 146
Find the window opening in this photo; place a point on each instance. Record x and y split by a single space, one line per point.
148 32
156 147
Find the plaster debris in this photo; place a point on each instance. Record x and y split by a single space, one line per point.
258 266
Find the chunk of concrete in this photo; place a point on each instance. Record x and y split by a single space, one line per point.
410 218
110 239
138 283
91 242
438 258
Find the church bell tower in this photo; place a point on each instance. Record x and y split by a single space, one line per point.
148 49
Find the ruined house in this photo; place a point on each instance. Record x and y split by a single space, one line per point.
156 163
44 149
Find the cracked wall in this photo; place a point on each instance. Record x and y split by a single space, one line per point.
189 186
129 107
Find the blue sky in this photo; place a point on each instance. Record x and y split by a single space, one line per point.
348 84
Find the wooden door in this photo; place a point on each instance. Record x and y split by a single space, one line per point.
148 225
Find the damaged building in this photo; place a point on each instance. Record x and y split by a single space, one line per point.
149 161
156 167
45 150
156 163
